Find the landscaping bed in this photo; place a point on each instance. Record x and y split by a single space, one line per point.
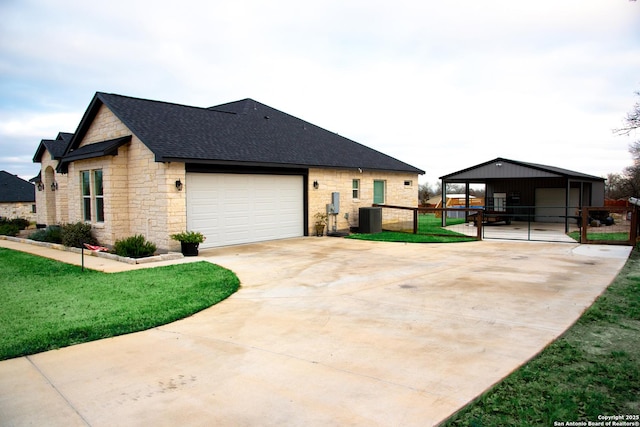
155 258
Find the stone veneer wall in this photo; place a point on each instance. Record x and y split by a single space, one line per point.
340 180
140 196
51 206
17 210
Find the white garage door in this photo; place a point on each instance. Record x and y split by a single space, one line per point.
231 208
550 203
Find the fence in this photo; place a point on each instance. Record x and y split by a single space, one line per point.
601 225
428 221
609 225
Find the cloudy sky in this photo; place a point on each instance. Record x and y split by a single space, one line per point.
442 85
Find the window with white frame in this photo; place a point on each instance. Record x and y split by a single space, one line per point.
85 182
355 189
99 195
379 191
92 195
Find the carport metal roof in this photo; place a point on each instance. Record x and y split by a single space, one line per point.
501 168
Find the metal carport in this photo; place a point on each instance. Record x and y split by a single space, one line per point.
519 181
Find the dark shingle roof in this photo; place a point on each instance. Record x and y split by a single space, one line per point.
56 147
99 149
15 189
244 132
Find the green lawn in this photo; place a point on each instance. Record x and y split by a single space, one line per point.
429 231
46 304
619 236
593 369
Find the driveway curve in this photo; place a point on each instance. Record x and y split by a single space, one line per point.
325 331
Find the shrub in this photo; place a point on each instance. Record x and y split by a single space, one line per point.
77 234
9 229
189 237
51 234
134 247
21 223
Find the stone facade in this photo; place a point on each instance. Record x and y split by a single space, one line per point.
401 189
52 204
140 194
17 210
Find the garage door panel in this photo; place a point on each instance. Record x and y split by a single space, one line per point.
550 203
232 209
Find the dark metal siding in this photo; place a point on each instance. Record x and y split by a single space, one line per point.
504 171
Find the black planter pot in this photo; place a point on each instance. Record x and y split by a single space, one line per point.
189 249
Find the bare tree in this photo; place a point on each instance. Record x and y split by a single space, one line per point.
628 184
477 192
615 187
632 121
424 193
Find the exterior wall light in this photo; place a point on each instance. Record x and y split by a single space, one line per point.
316 185
40 186
54 186
179 185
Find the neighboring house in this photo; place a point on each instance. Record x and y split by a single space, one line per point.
238 172
550 193
17 197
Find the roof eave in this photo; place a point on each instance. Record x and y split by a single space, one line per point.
559 174
110 150
168 159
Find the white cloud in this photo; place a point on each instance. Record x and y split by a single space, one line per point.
45 126
440 85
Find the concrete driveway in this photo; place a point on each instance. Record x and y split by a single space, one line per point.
324 331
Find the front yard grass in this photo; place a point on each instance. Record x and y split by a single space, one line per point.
592 370
617 236
47 304
429 231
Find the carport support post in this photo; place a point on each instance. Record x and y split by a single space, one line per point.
567 199
443 203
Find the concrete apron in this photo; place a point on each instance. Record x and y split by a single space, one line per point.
325 332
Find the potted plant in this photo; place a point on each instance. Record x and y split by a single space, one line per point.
321 220
189 241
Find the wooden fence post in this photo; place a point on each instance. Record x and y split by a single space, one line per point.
584 220
633 232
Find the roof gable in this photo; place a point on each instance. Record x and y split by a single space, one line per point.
15 189
244 132
501 168
56 147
